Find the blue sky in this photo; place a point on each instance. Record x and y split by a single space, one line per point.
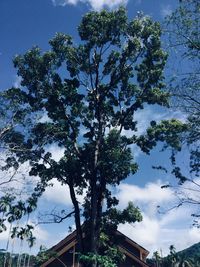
25 23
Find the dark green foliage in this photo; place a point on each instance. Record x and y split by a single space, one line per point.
168 131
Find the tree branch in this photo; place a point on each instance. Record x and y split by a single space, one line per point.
56 218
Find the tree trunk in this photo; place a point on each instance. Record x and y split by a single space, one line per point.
77 218
100 200
93 220
96 214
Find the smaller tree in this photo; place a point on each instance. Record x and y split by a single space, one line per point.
182 34
13 206
172 255
157 259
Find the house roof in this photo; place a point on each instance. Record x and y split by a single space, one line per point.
71 236
145 251
64 241
69 241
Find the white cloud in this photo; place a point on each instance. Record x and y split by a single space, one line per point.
95 4
64 2
60 194
56 152
99 4
166 10
144 233
151 194
40 234
158 231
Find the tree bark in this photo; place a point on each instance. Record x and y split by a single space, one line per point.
93 237
79 232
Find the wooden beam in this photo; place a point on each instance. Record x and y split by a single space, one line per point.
60 253
123 250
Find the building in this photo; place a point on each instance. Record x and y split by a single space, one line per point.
65 252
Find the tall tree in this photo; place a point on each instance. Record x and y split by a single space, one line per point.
83 98
157 258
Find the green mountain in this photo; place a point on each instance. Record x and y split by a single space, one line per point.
192 253
189 257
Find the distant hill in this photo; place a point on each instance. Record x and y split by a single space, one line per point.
189 257
192 252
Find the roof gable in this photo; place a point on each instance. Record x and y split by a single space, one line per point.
70 241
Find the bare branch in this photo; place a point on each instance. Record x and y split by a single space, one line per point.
56 218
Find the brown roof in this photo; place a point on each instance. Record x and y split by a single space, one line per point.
70 240
146 252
